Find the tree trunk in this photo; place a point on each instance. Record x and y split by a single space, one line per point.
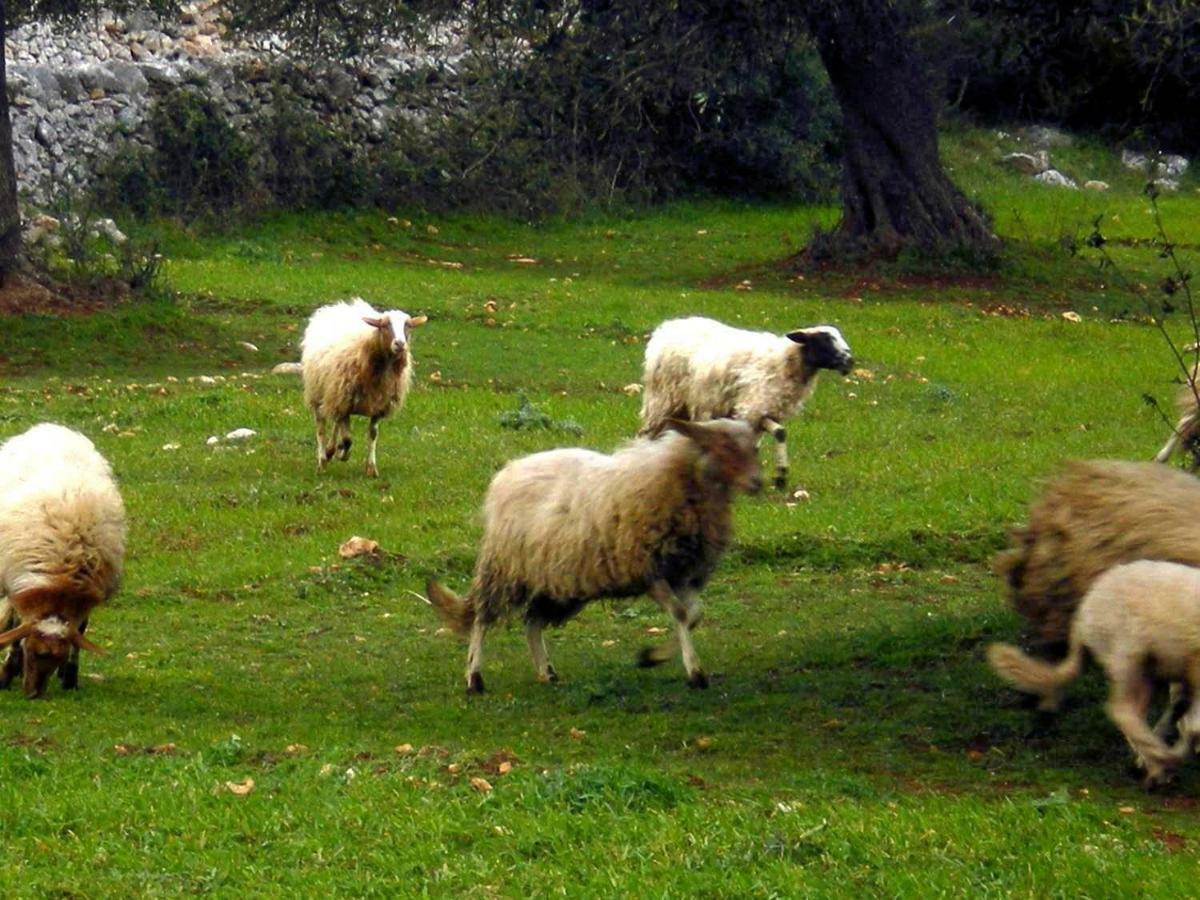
10 215
895 195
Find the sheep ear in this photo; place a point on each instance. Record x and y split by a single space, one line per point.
418 321
84 644
14 635
799 336
375 321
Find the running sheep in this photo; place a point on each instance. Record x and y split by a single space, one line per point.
62 549
354 361
565 527
1141 623
700 369
1092 516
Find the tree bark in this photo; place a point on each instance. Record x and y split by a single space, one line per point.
10 215
895 194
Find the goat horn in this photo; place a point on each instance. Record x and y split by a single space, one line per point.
15 634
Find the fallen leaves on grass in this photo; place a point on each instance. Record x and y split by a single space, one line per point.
404 749
357 546
577 734
295 749
240 788
1072 316
481 784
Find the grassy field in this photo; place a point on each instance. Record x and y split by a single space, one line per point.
853 740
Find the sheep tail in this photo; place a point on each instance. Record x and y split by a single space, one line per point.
457 612
1034 676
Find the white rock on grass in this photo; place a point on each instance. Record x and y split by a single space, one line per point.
240 434
1056 178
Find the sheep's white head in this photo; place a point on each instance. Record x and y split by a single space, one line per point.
394 329
728 452
824 348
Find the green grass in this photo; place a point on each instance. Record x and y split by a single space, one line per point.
853 740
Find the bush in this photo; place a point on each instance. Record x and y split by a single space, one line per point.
1128 69
196 163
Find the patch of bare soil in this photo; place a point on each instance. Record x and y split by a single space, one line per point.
23 293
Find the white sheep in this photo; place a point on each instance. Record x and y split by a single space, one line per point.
565 527
701 369
355 361
1141 623
62 549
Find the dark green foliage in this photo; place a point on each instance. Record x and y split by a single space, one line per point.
627 102
1127 68
527 417
197 163
309 164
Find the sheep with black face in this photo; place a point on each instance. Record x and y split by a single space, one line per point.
700 369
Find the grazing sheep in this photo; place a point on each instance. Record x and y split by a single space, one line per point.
62 548
355 362
565 527
1090 517
1141 622
700 369
1187 429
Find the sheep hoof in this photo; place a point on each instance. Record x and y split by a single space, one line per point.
549 676
648 659
475 683
345 452
698 680
69 675
372 472
780 482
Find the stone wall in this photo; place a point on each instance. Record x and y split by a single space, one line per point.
72 88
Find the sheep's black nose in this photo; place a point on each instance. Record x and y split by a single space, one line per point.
847 365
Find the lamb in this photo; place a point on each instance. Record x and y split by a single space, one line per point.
1187 429
565 527
1141 622
1090 517
700 369
355 361
62 549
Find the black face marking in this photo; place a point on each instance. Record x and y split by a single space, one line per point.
821 353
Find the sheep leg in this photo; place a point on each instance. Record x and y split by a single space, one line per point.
1178 703
1128 701
535 635
14 664
475 658
341 438
324 448
781 457
372 438
686 613
68 673
1189 719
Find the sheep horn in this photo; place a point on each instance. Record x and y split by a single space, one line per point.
418 321
84 644
15 634
692 430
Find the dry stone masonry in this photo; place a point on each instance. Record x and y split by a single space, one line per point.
74 87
